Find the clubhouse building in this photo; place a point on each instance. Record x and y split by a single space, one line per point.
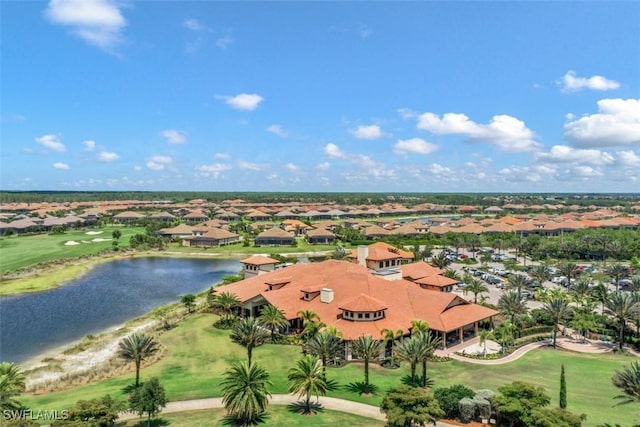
357 299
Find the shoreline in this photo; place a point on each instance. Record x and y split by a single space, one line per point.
55 276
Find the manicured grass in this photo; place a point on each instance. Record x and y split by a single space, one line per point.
197 356
277 415
24 251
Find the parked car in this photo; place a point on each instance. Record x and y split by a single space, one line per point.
527 294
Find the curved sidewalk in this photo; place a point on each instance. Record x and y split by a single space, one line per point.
592 347
331 403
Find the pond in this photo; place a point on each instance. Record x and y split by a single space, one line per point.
107 296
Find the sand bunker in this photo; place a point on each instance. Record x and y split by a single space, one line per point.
100 239
71 243
93 233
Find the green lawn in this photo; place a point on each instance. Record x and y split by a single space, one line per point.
277 415
24 251
197 355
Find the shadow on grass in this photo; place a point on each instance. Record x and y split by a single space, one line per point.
236 421
416 382
361 388
155 422
333 385
300 407
129 388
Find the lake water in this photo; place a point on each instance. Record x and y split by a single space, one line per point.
108 295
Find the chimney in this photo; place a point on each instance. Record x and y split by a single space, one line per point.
363 252
326 295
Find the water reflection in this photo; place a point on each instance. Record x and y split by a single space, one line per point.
110 294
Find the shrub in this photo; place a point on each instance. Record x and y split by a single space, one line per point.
449 398
483 407
467 409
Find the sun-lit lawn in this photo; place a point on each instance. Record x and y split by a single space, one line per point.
198 355
277 415
23 251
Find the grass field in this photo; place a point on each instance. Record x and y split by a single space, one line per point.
277 416
197 356
24 251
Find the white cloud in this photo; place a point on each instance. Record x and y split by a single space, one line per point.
225 41
364 31
292 167
438 169
106 156
367 132
584 172
251 166
407 114
243 101
89 145
628 158
137 168
414 145
570 82
566 154
536 173
506 132
323 166
51 142
173 136
98 22
193 25
158 163
616 123
214 170
61 166
277 130
332 150
221 156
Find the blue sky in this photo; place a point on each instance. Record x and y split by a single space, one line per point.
320 96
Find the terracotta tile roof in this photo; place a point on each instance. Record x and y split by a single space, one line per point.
259 260
417 270
437 280
363 303
404 300
276 232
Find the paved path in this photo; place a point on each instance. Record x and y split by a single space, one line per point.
331 403
588 346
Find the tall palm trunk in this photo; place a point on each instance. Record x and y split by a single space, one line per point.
424 373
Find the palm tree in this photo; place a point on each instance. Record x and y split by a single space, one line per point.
307 378
244 391
226 301
451 274
137 347
249 333
580 291
476 287
391 336
325 345
308 316
483 337
617 272
428 344
512 305
504 334
569 270
367 348
272 318
627 380
623 307
409 351
418 325
517 282
540 274
12 384
600 293
558 309
440 261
